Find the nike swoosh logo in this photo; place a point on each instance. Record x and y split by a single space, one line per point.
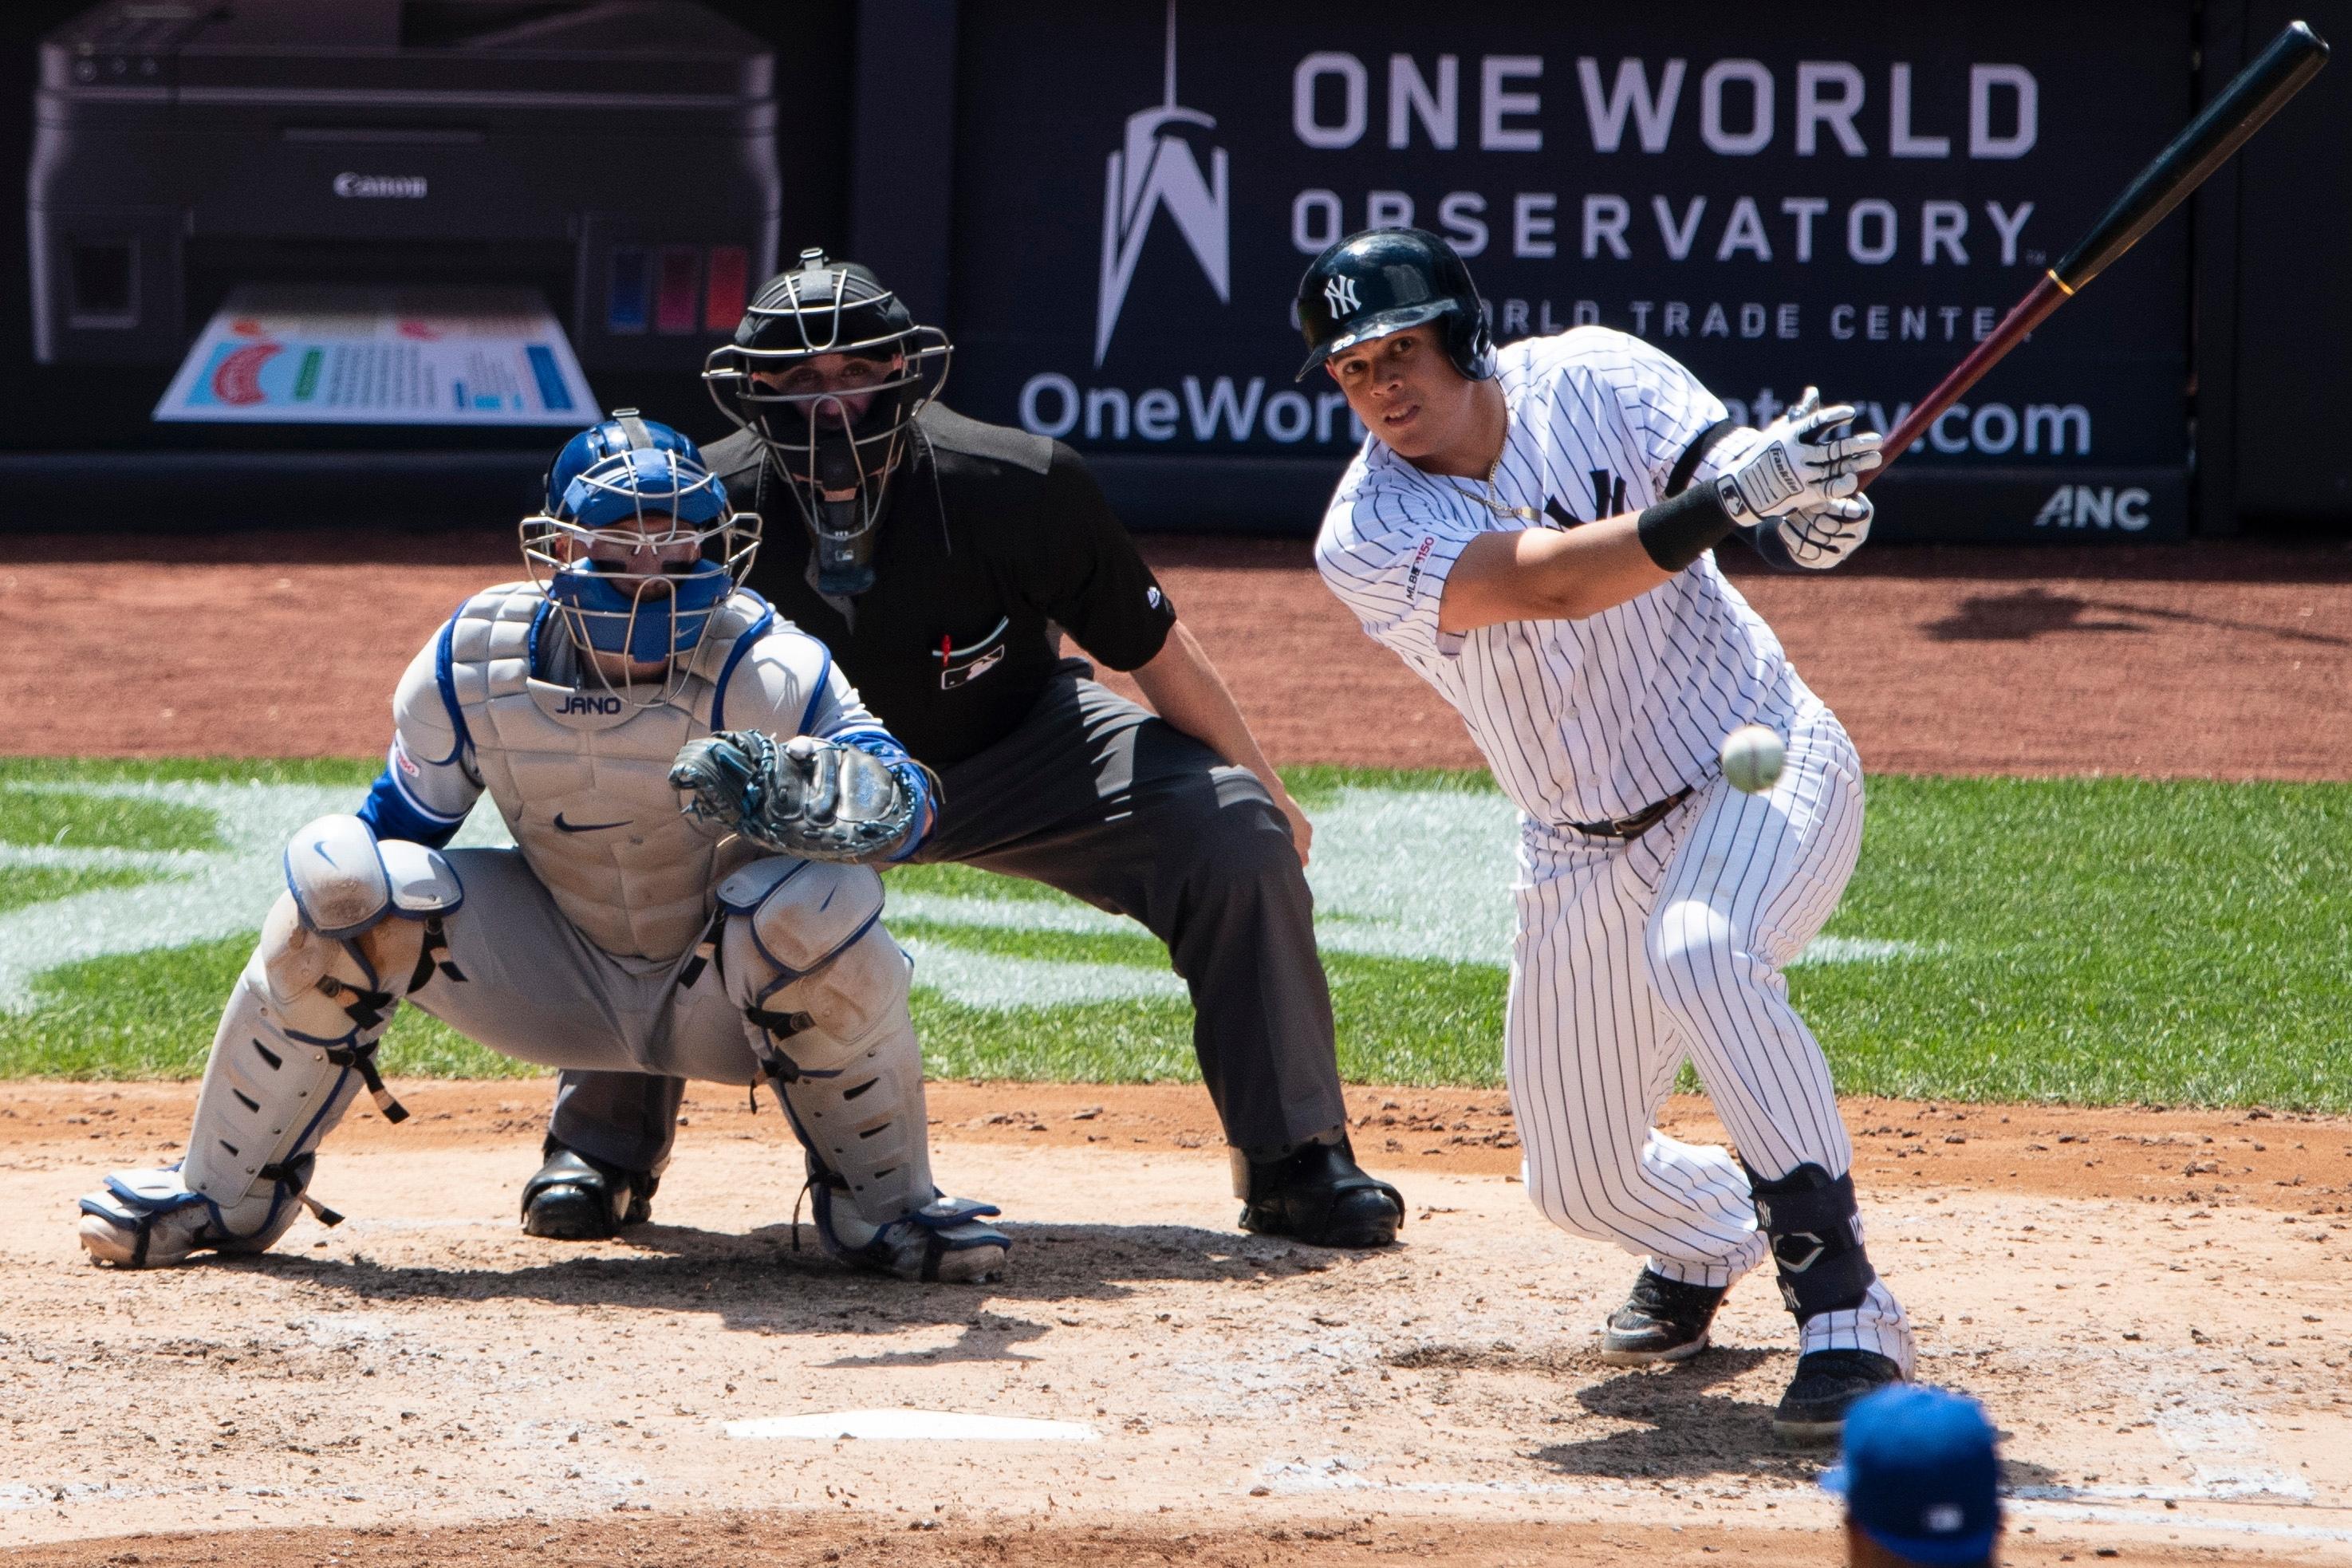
564 827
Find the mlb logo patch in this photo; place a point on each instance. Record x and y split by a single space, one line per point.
963 666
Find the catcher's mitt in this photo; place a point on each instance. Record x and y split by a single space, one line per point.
814 799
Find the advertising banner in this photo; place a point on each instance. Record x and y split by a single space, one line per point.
1850 202
381 356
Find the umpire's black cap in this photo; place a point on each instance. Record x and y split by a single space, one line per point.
1385 280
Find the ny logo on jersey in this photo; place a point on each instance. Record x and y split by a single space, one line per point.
1608 501
1339 293
1608 494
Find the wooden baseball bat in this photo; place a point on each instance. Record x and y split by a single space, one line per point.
2221 128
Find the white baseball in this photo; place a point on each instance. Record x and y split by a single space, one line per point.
1752 757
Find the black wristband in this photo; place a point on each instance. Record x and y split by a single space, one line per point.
1678 531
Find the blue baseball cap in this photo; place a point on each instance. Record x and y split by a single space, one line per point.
1918 1475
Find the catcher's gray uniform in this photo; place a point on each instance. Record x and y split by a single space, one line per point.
618 933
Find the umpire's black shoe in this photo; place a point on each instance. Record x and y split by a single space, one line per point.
1827 1385
578 1197
1664 1319
1318 1194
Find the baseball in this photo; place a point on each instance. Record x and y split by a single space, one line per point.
1752 757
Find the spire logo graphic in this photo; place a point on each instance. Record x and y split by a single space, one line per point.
1156 170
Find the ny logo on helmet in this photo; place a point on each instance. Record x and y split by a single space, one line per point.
1341 294
1155 169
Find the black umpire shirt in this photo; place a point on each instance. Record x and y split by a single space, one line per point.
992 539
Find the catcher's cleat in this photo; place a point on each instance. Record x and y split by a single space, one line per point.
1663 1321
149 1219
947 1241
1318 1195
1828 1383
578 1197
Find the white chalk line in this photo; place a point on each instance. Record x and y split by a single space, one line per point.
2091 1513
1293 1479
2221 1445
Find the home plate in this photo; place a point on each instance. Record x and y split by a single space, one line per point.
904 1426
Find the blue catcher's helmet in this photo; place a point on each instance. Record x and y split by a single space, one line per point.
636 550
626 430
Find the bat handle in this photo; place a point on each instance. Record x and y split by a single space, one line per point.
2023 317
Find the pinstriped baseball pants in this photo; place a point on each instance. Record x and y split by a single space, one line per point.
1631 957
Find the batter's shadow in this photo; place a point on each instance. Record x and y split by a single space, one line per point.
1692 1428
757 1282
1689 1425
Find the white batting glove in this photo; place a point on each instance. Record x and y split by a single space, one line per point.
1816 540
1799 466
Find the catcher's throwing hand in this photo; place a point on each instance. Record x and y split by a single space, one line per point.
811 798
1801 464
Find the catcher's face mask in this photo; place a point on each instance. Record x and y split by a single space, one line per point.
640 554
829 370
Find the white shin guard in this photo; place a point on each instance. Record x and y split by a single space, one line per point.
296 1044
824 994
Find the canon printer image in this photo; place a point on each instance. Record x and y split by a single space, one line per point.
617 156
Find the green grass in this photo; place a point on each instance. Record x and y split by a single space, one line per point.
353 771
1400 1021
2097 941
2090 941
151 1016
1317 784
969 881
72 821
21 886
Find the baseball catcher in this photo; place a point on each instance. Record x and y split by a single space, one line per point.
696 796
945 561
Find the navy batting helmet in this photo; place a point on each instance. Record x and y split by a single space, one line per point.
1387 280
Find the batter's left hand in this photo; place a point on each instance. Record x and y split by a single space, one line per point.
1818 538
1800 463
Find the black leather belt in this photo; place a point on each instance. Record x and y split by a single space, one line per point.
1635 825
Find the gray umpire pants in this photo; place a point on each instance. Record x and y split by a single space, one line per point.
1099 797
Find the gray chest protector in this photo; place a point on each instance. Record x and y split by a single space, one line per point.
582 778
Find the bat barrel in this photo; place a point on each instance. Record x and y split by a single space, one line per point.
2221 128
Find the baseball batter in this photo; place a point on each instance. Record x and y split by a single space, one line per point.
1529 529
694 791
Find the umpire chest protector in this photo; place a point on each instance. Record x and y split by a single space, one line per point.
583 777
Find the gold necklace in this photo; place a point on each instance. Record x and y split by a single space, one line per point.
1493 499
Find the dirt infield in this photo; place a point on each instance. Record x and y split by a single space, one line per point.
2151 1303
2222 661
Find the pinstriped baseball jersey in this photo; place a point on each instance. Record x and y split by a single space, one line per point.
1580 721
1633 955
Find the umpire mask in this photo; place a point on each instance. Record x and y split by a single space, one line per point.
829 370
